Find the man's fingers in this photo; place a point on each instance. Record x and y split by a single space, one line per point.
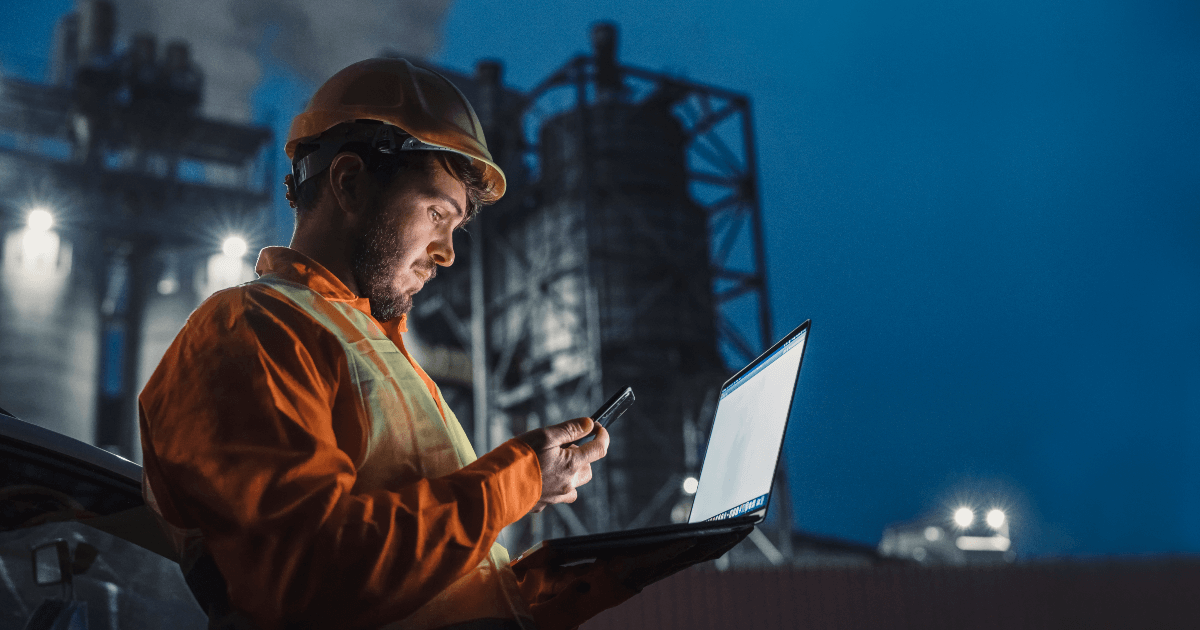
569 431
565 497
597 448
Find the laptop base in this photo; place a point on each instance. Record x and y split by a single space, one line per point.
581 549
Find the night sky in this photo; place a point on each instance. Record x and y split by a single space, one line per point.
991 212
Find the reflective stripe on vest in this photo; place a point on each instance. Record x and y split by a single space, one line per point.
409 440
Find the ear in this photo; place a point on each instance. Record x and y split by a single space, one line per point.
348 181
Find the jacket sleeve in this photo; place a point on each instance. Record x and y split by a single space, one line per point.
239 441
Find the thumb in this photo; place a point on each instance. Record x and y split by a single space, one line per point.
569 431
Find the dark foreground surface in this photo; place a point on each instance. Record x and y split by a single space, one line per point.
1120 593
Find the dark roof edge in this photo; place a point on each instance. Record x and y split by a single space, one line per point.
41 437
827 543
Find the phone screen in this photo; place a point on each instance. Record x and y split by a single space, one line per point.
614 407
608 413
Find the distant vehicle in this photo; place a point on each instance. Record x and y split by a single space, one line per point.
79 550
958 538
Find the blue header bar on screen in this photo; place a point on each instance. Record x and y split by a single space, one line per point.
745 508
798 339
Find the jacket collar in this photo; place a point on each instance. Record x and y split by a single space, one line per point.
293 266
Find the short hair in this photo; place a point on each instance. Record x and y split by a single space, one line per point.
384 168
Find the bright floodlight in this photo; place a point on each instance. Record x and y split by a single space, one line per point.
964 516
234 247
40 220
690 484
995 518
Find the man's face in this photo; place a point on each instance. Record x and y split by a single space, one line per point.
406 237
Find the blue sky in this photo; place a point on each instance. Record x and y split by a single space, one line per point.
991 212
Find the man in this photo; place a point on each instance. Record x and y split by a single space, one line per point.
293 447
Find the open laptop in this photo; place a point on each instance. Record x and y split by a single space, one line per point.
739 464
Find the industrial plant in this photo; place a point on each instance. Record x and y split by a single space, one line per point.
628 252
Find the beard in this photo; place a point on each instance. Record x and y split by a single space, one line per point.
379 255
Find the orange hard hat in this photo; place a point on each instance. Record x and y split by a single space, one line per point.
420 102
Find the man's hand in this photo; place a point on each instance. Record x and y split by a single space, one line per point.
565 468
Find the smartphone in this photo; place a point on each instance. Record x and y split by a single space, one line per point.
608 413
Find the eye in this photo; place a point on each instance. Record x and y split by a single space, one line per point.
434 214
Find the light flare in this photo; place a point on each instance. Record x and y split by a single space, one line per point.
234 247
40 220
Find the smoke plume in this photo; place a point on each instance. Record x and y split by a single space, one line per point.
313 37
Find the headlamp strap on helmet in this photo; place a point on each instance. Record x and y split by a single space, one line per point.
315 162
387 139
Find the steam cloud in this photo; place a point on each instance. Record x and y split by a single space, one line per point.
313 37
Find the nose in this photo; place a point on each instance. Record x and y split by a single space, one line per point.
441 250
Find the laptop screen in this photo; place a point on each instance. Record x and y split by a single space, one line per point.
746 436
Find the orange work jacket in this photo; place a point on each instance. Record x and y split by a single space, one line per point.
291 435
